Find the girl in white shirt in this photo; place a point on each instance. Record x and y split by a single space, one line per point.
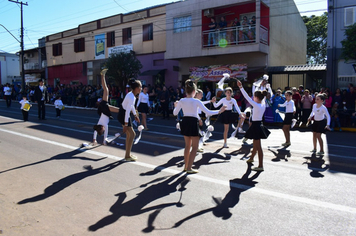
288 121
58 104
189 125
257 130
128 106
320 124
143 105
228 117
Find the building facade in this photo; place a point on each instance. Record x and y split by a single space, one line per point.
250 36
341 14
77 55
9 69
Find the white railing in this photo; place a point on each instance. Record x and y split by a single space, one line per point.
233 36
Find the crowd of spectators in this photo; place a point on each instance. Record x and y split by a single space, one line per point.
340 103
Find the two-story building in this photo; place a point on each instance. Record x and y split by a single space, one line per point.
77 55
341 14
9 68
248 37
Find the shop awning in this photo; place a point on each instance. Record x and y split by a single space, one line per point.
151 72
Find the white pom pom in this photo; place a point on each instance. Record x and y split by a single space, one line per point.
178 125
210 128
265 77
277 111
140 128
226 75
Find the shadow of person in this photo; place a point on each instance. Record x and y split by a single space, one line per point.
175 161
63 183
62 156
231 199
280 154
245 150
207 157
136 205
316 165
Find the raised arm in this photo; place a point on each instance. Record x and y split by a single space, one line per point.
253 103
105 87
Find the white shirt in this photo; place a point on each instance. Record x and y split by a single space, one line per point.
258 108
129 105
289 105
228 104
144 98
7 91
23 102
320 113
58 103
190 108
208 95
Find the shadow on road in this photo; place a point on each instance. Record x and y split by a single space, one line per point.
231 199
280 153
175 161
316 165
136 205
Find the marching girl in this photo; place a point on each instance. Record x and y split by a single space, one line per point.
227 118
190 123
143 105
104 111
256 131
288 121
128 106
320 124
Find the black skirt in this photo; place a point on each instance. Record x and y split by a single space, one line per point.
121 117
189 126
143 108
319 126
229 117
257 131
288 119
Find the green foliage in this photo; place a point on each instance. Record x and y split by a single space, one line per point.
122 67
349 43
317 31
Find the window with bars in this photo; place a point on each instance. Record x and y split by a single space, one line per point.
79 45
126 36
110 37
148 32
57 49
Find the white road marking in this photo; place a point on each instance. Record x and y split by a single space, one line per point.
302 200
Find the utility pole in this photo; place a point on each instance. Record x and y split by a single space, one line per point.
21 43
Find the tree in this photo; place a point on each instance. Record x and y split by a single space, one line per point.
317 31
349 43
122 67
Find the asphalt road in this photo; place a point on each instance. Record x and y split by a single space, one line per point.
50 186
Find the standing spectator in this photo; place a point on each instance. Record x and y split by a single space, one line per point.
337 97
58 104
212 27
236 24
164 100
335 117
328 101
276 100
7 94
307 101
268 116
222 26
24 110
41 97
297 101
350 100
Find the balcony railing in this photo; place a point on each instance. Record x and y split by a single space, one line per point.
234 36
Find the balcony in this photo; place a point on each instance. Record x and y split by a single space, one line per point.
233 36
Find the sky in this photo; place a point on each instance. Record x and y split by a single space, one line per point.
46 17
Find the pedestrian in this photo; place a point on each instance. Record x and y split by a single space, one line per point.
25 107
164 102
307 100
41 97
7 94
229 117
143 105
257 130
104 111
189 125
288 121
58 104
128 106
320 125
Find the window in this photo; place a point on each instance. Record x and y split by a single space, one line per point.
57 49
182 24
79 45
110 37
126 36
148 32
350 16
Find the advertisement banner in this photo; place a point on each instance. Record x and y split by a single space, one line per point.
215 72
100 46
123 48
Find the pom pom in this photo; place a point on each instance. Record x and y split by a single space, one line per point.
178 125
140 128
226 75
210 128
265 77
277 111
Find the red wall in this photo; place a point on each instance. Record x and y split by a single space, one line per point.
67 73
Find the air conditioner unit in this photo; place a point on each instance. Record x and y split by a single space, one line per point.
209 12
